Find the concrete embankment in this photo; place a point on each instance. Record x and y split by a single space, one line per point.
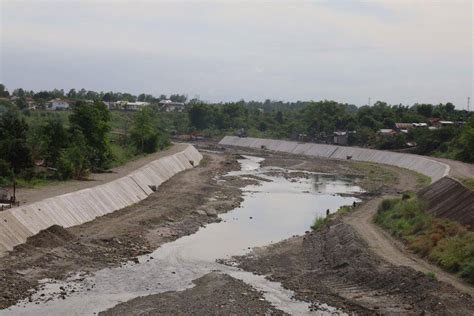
78 207
429 167
450 199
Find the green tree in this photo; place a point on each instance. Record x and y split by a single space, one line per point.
200 116
466 140
145 132
3 91
54 138
13 146
93 120
74 161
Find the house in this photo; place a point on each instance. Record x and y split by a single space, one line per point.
58 104
126 105
387 132
446 123
403 127
340 138
171 106
434 121
135 106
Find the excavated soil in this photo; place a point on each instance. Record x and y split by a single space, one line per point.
336 267
53 236
213 294
179 207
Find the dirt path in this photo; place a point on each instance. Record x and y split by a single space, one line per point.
393 251
458 169
30 195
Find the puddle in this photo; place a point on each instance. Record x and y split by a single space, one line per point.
268 214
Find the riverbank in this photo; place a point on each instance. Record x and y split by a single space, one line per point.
192 199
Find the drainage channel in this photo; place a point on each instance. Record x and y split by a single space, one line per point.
276 209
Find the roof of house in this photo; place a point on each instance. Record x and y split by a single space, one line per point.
420 124
404 125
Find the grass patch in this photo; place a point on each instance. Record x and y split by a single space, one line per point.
321 222
431 275
468 183
122 155
375 176
422 180
446 243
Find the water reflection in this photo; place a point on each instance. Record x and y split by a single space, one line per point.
275 210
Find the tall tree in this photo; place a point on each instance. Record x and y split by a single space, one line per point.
93 120
13 146
145 131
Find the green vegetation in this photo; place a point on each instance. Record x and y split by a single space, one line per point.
422 180
469 183
431 275
321 222
375 176
88 137
447 243
70 144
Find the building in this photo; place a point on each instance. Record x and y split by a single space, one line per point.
58 104
171 106
340 138
135 106
387 132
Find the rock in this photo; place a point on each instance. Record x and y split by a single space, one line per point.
211 212
200 212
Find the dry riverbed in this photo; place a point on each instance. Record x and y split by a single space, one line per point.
333 266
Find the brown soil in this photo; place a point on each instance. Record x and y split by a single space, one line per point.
352 264
336 267
213 294
50 237
179 207
392 250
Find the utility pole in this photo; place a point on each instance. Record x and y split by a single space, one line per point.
369 101
468 104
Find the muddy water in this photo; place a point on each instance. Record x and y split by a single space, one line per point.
277 209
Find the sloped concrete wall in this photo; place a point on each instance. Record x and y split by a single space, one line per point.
78 207
431 168
450 199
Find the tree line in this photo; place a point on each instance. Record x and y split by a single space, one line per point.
317 121
72 148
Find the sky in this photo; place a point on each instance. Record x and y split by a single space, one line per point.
398 51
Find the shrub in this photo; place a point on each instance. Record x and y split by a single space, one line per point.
447 243
431 275
319 223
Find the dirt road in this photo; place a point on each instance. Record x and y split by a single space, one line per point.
30 195
393 251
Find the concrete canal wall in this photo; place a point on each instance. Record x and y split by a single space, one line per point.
449 198
431 168
78 207
445 197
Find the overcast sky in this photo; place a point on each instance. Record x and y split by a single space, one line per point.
398 51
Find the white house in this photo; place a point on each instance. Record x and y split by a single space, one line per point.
170 106
58 104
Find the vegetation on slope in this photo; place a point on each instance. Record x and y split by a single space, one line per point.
447 243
